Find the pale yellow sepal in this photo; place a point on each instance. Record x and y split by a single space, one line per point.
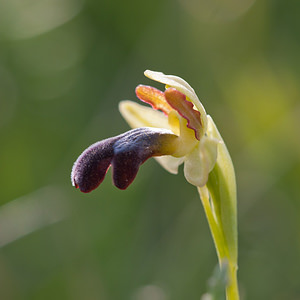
170 163
138 115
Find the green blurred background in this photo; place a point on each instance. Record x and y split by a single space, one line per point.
64 66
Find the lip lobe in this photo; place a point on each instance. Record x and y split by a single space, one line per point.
125 153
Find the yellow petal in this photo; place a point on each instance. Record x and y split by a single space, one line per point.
154 97
138 115
182 86
200 161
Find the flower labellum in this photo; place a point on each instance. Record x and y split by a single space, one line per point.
125 153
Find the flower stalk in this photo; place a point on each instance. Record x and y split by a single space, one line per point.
179 133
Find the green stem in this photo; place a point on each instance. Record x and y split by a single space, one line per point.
217 235
232 289
216 229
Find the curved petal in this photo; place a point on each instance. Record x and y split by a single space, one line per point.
178 101
154 97
182 86
200 161
170 163
138 115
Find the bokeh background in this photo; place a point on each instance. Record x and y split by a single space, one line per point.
64 66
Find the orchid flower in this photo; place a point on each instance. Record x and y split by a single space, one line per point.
175 130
